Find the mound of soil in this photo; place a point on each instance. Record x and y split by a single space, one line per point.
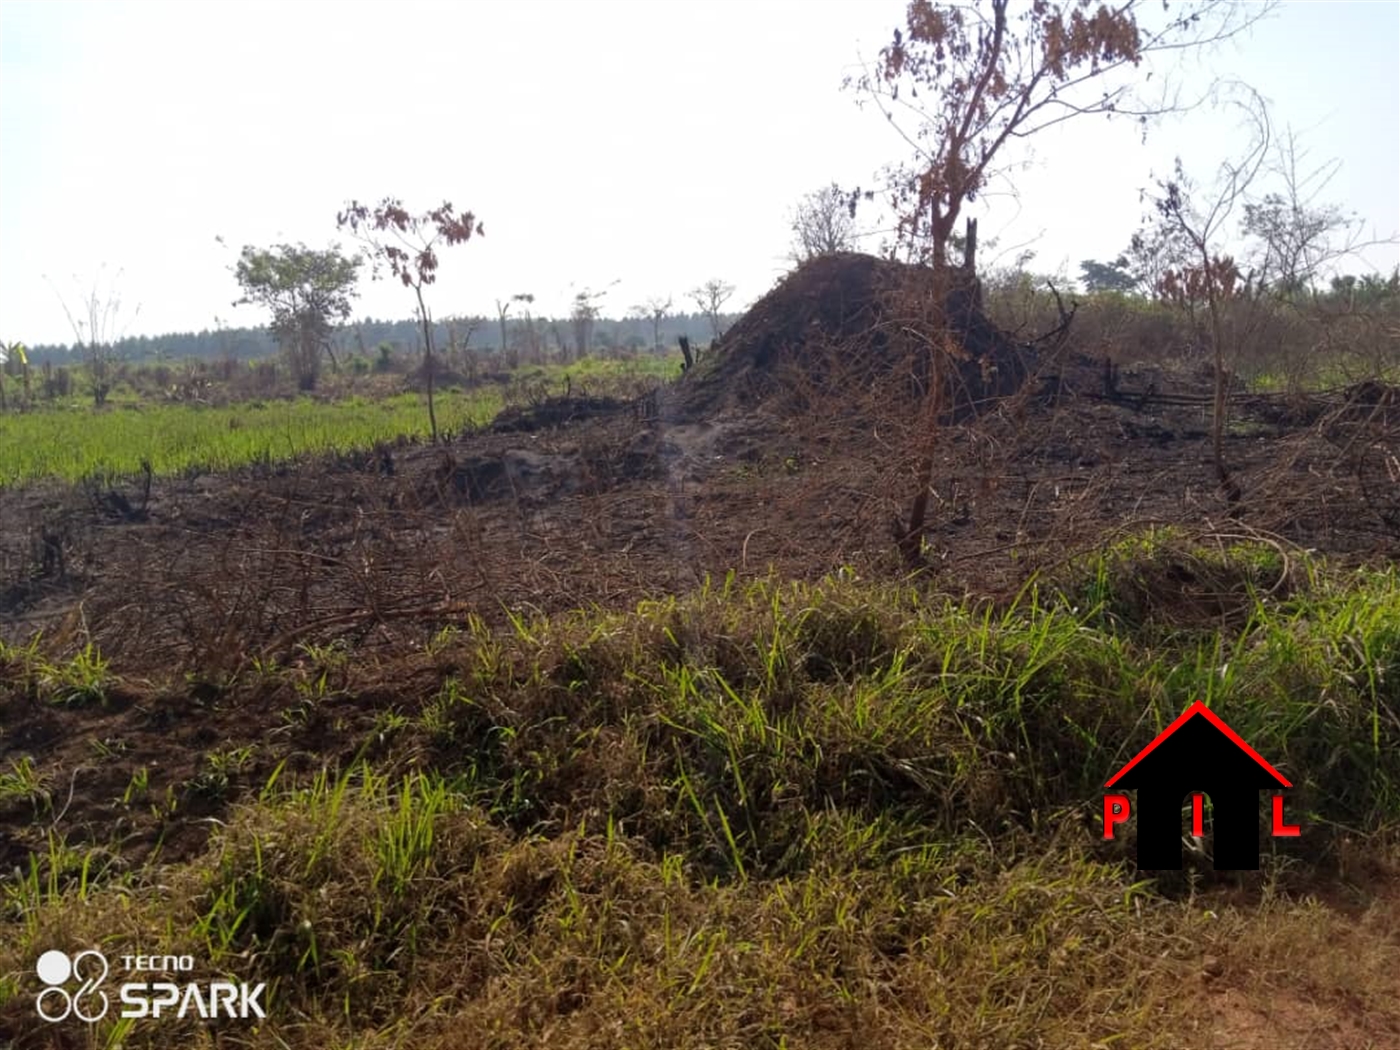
849 320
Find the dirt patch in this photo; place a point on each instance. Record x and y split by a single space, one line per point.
554 413
849 321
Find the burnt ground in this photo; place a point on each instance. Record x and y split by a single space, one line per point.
187 589
591 502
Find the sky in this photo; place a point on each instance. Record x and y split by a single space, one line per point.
638 146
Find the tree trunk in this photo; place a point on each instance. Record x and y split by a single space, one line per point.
946 286
427 360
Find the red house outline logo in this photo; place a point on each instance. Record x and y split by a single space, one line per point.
1200 755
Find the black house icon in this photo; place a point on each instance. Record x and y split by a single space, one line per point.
1198 753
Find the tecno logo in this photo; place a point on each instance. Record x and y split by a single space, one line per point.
88 1002
55 1003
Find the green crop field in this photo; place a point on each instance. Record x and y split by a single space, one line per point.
71 444
72 441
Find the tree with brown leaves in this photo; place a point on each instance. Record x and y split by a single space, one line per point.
961 82
407 244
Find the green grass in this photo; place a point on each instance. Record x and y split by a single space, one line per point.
71 445
73 442
773 815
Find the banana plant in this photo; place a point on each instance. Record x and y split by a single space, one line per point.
14 352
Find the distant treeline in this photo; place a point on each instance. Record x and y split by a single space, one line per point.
550 336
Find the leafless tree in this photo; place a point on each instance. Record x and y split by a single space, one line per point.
1203 286
823 223
503 310
710 297
96 331
585 311
1297 237
655 310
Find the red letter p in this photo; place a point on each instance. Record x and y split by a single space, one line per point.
1115 811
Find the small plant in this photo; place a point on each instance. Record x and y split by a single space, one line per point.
215 779
138 786
388 724
109 747
327 657
440 715
408 244
82 681
24 783
443 640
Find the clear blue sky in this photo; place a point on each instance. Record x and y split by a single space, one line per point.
656 144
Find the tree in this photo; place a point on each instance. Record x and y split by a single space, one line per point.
1296 236
96 333
532 337
710 297
1202 286
1367 291
1107 277
969 80
654 310
308 292
407 244
974 78
1153 252
823 223
582 317
503 311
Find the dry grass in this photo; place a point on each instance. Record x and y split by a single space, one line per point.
765 815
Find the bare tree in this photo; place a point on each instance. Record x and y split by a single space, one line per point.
1202 287
1297 237
96 332
823 223
581 317
408 245
460 330
585 312
710 297
503 310
532 337
655 310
